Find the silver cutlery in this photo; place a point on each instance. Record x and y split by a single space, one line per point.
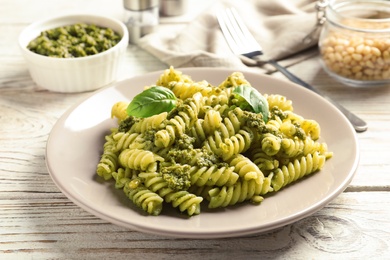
242 43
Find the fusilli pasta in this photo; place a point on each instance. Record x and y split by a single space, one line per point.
209 148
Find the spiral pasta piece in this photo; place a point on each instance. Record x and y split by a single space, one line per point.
148 123
227 129
123 140
144 198
294 118
246 169
185 90
233 80
198 132
141 142
222 109
179 123
118 110
231 122
264 161
109 160
275 100
183 199
212 121
210 176
182 85
291 147
213 143
122 176
155 182
270 144
234 119
228 196
139 159
297 169
312 146
236 144
274 124
311 128
172 75
165 137
214 100
288 129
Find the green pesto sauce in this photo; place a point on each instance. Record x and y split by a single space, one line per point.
72 41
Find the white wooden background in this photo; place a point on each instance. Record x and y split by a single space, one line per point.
38 222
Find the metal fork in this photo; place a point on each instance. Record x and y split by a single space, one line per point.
242 43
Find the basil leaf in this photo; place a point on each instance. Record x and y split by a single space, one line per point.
252 98
152 101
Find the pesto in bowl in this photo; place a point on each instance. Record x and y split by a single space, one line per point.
73 41
69 71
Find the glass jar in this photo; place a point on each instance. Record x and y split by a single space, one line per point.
141 17
355 42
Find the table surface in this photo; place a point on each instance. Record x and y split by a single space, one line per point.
37 221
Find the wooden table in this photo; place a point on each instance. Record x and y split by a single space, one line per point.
38 222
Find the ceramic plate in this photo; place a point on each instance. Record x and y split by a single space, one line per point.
75 145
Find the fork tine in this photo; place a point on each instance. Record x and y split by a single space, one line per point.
227 31
240 40
247 35
236 31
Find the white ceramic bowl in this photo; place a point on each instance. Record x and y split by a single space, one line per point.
74 74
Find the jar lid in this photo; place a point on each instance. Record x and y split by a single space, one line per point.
139 5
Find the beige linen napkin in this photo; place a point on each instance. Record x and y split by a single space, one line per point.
278 25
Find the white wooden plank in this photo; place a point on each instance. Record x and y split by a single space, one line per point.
354 225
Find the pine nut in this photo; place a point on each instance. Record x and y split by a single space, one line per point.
356 57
